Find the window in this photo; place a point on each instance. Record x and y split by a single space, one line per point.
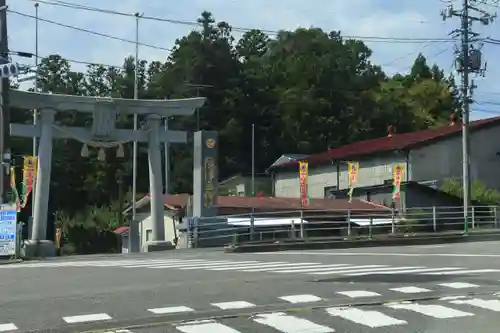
149 235
388 181
330 192
341 195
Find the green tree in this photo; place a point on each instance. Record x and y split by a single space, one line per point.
479 191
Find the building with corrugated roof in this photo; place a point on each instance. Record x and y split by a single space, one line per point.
429 156
177 207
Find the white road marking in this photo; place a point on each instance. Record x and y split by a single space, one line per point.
368 318
458 285
431 310
430 246
7 327
353 272
205 326
87 318
240 266
233 305
103 263
290 324
37 265
493 305
296 299
187 264
410 290
279 266
209 265
351 268
466 271
388 254
358 293
119 331
151 263
452 298
171 309
315 269
421 270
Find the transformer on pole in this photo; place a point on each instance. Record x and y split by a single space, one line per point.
468 60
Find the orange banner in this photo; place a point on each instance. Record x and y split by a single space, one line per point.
29 172
303 178
398 171
353 169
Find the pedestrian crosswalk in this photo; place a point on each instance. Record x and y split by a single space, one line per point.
318 314
253 266
404 315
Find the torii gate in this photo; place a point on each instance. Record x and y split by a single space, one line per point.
102 134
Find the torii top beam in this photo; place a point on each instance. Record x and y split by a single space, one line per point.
163 108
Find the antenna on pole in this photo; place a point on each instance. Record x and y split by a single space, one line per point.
468 61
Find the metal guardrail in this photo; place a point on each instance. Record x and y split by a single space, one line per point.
308 225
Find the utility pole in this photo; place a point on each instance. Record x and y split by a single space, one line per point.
253 183
167 160
4 109
253 161
132 227
468 61
35 111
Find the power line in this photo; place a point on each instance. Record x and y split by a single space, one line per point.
71 5
492 41
493 4
100 34
427 41
81 62
389 63
488 103
488 93
486 111
439 52
378 39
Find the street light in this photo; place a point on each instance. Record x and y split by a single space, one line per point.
197 87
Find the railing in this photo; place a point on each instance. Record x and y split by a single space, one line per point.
337 224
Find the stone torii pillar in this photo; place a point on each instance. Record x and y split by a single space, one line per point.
155 177
102 134
41 202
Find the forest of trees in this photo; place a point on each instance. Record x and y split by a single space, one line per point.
305 91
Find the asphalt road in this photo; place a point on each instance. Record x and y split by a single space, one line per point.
440 288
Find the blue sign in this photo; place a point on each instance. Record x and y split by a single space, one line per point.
192 222
8 231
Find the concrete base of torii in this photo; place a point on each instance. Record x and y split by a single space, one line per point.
38 249
155 246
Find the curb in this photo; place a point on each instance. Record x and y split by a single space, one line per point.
10 261
318 245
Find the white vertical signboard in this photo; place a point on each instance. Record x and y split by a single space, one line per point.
8 231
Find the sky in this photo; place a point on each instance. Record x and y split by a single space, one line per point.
363 18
